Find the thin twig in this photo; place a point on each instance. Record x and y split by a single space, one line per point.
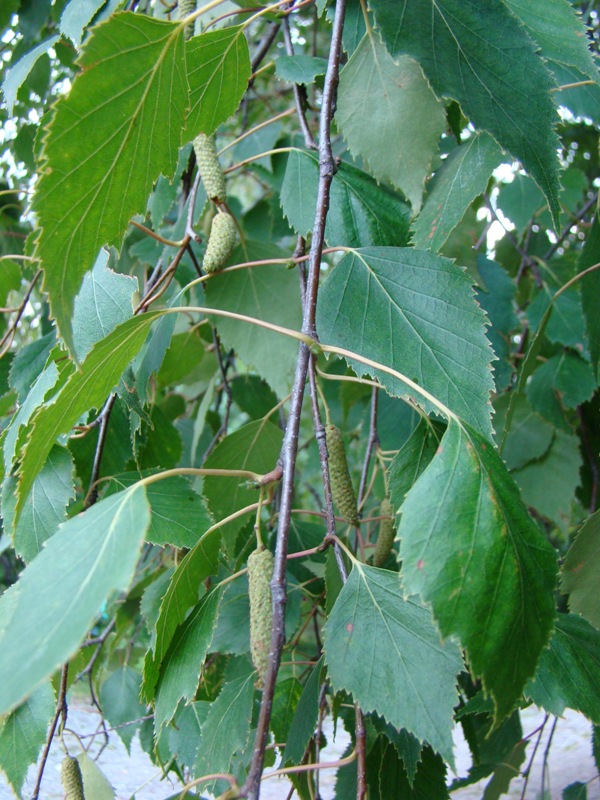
61 711
8 337
251 788
567 229
372 441
299 93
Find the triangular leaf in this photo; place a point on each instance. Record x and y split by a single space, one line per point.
480 55
568 675
581 571
43 619
401 145
119 699
414 311
469 547
89 190
375 645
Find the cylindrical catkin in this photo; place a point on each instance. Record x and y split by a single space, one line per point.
209 167
220 242
184 9
385 539
71 778
342 490
260 572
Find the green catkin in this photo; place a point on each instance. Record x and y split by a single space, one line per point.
260 572
342 490
210 168
184 9
387 532
220 242
71 778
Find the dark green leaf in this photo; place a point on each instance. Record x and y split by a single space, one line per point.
462 177
300 68
90 189
520 201
285 702
181 667
29 362
22 734
590 291
218 69
412 459
401 146
43 619
480 55
581 571
568 675
469 547
361 211
253 447
375 645
305 718
575 791
119 698
507 770
414 311
529 437
429 782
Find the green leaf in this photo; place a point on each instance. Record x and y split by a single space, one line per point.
414 311
520 201
227 727
183 593
480 55
45 507
269 293
285 702
400 147
96 785
42 618
375 646
185 352
105 300
575 791
22 734
182 665
558 30
590 291
179 517
255 447
84 389
361 212
582 101
529 437
429 782
549 484
29 362
571 376
305 718
185 735
469 547
88 191
412 459
119 699
509 768
76 16
568 675
581 571
462 177
300 68
18 73
218 69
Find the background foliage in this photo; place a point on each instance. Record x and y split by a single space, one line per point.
415 192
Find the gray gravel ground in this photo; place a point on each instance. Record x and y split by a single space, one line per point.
132 775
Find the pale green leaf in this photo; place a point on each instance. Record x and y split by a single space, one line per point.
105 147
300 68
469 547
43 619
254 447
270 293
568 675
581 571
480 55
22 734
84 389
18 73
96 785
520 201
45 507
179 517
549 484
29 362
182 665
119 699
376 644
557 28
183 593
185 733
389 116
227 726
218 69
105 300
462 177
76 15
361 212
413 311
